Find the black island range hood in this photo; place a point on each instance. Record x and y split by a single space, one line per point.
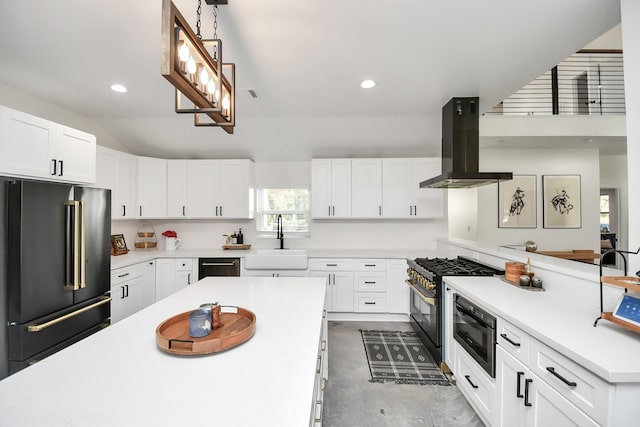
460 148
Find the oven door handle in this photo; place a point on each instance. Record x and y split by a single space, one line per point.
468 313
430 301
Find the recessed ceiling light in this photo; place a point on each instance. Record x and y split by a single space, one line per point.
367 84
118 88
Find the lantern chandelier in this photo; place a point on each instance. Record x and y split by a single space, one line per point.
194 66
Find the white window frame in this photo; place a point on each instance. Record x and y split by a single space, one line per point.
288 234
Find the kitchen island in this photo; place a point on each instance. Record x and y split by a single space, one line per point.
118 377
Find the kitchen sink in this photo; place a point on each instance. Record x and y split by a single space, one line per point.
280 259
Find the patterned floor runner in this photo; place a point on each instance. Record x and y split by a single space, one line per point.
401 357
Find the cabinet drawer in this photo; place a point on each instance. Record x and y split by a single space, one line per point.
331 264
514 340
581 387
370 282
370 265
123 274
184 264
475 384
370 302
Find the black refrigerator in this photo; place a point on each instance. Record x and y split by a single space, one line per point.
55 268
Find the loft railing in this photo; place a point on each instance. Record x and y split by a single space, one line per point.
589 82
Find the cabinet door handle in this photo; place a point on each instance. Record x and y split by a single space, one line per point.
124 210
127 287
513 343
334 280
333 211
140 210
379 210
184 210
189 279
122 292
470 382
216 211
526 391
329 213
560 377
518 379
415 210
61 163
55 164
410 210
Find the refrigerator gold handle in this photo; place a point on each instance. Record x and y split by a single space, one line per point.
83 242
40 327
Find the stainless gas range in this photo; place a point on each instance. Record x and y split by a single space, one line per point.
425 280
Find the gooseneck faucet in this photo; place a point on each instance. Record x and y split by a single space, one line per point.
280 232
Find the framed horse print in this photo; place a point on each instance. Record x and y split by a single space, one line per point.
517 202
561 201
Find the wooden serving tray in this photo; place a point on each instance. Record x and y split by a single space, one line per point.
607 315
236 246
172 335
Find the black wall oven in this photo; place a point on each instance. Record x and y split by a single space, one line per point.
475 330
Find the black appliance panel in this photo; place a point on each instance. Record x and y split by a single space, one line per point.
474 330
218 267
426 314
36 242
97 218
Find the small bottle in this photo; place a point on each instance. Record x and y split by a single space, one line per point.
527 268
240 237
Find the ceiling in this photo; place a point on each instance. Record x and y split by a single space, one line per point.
303 59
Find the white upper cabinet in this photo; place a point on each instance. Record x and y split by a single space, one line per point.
401 192
220 189
427 202
152 187
32 147
366 188
375 188
331 188
177 188
118 172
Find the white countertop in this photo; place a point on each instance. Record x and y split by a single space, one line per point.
607 350
137 256
118 377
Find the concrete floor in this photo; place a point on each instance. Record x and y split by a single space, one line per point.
352 401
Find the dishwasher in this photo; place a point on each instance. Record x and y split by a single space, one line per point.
218 267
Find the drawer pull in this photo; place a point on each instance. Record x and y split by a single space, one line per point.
560 377
513 343
520 374
469 380
369 283
526 391
323 347
369 265
123 275
332 265
369 303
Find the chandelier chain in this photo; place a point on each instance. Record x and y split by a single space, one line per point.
215 21
198 11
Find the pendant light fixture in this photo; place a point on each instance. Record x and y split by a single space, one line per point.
194 66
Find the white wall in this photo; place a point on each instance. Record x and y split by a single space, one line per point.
539 162
630 11
325 234
463 213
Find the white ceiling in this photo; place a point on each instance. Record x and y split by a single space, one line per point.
305 61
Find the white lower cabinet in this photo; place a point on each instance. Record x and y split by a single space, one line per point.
526 400
322 375
477 386
449 347
275 273
132 289
174 274
398 296
339 274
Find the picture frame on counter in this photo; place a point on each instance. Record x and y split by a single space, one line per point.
517 202
118 244
562 201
